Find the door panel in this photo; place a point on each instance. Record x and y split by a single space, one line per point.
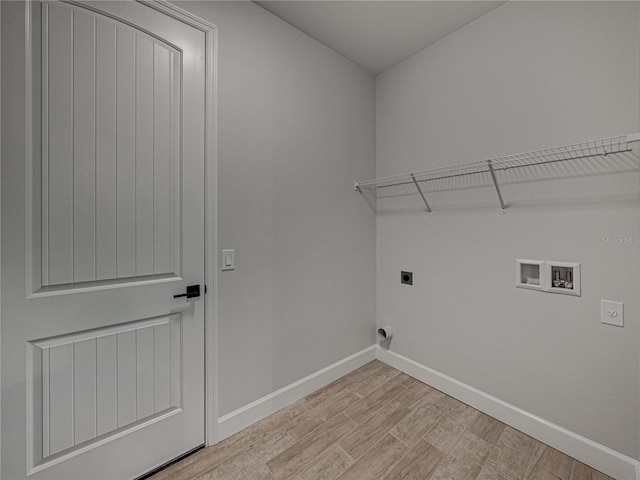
102 368
98 383
111 104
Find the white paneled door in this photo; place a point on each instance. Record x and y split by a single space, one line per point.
102 368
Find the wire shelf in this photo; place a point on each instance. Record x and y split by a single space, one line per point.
423 181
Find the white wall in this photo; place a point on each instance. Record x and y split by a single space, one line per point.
296 128
528 75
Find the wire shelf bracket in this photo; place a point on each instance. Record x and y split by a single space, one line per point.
495 183
620 145
420 192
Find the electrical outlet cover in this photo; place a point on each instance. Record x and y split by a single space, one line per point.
612 313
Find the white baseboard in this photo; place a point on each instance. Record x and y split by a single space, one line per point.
598 456
263 407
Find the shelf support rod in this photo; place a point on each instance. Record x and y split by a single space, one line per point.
420 192
495 183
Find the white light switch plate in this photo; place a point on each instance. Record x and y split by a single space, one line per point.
612 313
228 260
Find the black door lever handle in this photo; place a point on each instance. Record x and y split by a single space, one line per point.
192 292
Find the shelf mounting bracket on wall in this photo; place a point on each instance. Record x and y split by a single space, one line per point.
495 183
420 192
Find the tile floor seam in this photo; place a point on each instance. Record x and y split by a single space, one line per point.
391 400
270 471
390 467
394 436
346 415
410 449
376 443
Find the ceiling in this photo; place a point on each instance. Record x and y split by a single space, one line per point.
377 34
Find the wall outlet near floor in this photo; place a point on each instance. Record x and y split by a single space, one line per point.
612 313
406 278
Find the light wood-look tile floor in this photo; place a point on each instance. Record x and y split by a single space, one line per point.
378 423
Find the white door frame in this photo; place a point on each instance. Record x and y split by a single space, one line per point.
211 212
210 208
0 224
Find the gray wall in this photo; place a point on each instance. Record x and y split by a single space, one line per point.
296 128
523 77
